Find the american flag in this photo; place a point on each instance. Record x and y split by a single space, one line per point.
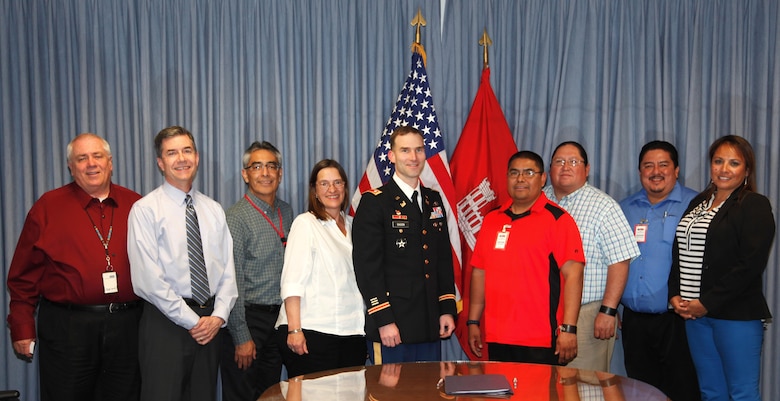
414 107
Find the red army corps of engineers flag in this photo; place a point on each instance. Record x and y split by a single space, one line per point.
479 174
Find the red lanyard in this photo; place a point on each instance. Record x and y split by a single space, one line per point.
280 230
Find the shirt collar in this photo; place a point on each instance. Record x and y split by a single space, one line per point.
84 199
674 196
406 189
330 221
538 205
572 195
176 194
259 202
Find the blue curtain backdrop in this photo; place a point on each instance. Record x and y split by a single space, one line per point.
319 79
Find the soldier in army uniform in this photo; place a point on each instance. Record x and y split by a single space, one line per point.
403 260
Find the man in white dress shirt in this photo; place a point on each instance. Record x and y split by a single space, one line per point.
178 349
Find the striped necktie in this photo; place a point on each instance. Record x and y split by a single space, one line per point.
198 276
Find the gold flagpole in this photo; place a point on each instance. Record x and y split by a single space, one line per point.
485 42
417 22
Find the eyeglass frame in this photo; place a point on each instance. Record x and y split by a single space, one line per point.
257 166
338 184
526 173
571 162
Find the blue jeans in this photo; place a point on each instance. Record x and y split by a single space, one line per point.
727 356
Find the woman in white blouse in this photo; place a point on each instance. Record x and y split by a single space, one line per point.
320 326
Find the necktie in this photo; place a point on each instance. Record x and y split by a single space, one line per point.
198 276
415 203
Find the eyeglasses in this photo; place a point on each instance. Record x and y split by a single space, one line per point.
326 184
570 162
527 173
257 166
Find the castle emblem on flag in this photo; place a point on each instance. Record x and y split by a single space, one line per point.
470 210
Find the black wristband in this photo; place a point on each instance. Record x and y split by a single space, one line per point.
568 328
607 310
470 322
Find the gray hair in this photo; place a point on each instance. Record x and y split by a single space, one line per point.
265 145
69 149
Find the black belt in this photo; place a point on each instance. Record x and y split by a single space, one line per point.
194 304
263 308
104 308
648 313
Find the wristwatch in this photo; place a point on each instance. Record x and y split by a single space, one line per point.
567 328
607 310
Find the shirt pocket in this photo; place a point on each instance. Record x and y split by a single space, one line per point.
670 229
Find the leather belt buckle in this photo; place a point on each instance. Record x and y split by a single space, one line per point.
195 304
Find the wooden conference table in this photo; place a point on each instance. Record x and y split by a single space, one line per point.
420 381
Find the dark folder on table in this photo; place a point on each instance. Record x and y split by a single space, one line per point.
487 385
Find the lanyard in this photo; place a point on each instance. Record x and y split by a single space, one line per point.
280 230
107 240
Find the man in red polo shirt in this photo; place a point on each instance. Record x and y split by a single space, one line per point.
71 269
527 274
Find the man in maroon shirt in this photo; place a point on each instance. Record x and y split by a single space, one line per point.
71 263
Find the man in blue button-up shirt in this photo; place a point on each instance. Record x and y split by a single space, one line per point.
654 341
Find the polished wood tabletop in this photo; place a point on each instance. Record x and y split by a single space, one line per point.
421 381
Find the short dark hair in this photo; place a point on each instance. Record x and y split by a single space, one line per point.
255 146
659 145
171 132
528 155
315 206
583 153
404 130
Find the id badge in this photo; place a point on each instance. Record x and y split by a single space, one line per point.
110 285
501 240
640 233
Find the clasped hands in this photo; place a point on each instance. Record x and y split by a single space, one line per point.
206 329
688 309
